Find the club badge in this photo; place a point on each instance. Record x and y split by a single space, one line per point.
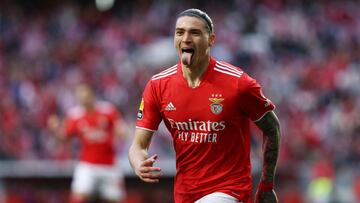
216 107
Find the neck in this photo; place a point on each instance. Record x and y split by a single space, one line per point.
194 73
89 107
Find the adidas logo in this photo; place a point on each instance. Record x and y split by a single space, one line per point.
170 107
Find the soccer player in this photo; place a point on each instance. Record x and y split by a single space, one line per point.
207 106
95 123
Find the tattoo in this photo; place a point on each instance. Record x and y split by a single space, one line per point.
270 127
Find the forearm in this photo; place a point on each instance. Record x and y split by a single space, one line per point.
271 152
139 160
137 155
138 151
271 129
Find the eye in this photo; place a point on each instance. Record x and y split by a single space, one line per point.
179 32
196 32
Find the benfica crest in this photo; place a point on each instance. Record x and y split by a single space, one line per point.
216 106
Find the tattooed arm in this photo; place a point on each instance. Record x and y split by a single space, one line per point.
270 127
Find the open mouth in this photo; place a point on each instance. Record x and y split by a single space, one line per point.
187 55
187 50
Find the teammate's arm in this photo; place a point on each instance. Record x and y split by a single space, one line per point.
121 129
270 127
55 126
139 160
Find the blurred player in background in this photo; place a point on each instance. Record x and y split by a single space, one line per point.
96 124
207 106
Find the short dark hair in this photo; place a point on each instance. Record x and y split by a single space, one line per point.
199 14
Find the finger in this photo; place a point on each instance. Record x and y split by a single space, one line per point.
148 177
149 161
151 175
149 180
149 169
154 157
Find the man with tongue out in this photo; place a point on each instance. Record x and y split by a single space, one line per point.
193 38
201 91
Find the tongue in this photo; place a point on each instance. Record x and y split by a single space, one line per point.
186 58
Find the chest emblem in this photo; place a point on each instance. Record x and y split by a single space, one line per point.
216 106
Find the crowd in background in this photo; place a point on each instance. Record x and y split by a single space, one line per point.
306 55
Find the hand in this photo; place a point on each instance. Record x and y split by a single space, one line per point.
53 123
266 197
146 172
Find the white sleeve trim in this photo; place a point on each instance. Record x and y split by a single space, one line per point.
262 115
145 129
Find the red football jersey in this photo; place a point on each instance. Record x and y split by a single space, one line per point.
95 130
209 125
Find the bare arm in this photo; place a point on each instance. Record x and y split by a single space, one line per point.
121 129
55 126
270 127
139 160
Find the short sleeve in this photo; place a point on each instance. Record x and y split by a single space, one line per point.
149 116
252 100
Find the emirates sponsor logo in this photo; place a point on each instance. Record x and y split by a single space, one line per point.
197 131
207 126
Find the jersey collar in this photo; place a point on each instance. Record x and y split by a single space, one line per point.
205 76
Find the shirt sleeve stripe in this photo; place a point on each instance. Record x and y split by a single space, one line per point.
165 71
227 72
230 70
163 76
229 66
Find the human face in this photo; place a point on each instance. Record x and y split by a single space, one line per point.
192 41
85 96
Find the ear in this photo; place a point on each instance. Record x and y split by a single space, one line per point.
211 40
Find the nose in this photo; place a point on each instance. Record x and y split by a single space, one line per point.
186 37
